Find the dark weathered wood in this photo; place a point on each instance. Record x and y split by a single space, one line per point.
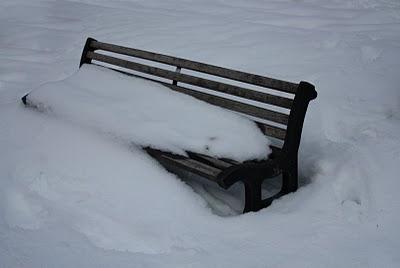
218 163
240 76
231 161
195 166
272 131
188 164
233 105
196 81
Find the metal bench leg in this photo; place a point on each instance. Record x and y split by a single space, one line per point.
253 197
289 181
252 190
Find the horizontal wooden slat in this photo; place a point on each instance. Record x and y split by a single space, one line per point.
195 166
197 81
231 161
272 131
258 80
233 105
216 100
176 161
210 160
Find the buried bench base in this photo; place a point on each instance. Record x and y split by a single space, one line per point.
251 174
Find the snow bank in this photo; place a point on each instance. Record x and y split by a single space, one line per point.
148 114
118 197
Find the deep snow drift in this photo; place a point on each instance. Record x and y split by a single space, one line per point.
148 114
72 196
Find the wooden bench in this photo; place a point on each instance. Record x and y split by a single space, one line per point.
279 114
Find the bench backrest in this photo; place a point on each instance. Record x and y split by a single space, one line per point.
280 115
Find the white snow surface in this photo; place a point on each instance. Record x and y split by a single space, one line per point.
148 114
71 196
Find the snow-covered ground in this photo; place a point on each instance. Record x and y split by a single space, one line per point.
71 196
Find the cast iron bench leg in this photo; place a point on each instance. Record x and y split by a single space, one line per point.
252 187
252 190
289 182
290 178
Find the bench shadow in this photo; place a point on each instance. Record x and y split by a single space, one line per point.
226 203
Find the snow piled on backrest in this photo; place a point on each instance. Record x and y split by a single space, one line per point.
149 114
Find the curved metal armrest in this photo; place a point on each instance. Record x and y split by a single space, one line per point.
248 171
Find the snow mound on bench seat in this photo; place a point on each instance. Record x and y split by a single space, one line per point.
149 114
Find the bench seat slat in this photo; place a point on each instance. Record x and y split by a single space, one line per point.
218 163
240 76
216 100
195 166
272 131
231 161
197 81
186 163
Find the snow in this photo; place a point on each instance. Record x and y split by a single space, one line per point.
72 196
148 114
100 199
